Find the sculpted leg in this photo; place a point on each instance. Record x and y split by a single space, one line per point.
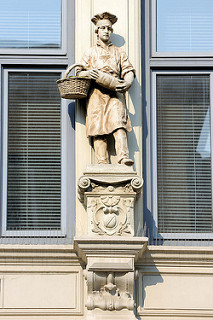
100 146
121 147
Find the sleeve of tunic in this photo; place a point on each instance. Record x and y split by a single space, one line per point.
85 61
126 66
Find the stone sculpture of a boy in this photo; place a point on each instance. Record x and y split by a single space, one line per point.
112 75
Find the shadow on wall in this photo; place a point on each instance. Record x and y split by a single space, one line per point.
81 110
71 112
117 40
151 231
147 279
135 93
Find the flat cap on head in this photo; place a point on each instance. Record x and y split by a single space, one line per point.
105 15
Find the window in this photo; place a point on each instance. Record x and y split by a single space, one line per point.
32 120
32 26
37 189
183 153
177 121
182 27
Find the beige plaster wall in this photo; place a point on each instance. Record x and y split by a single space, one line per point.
176 283
127 33
40 282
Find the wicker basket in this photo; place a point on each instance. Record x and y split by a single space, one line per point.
74 87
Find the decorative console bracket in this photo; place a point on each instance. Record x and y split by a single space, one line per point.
110 274
109 193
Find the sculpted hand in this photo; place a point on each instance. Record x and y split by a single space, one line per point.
123 86
92 74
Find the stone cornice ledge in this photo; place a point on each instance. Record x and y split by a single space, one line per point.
197 314
166 255
37 254
107 247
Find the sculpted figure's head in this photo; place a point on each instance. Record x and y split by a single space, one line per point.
104 30
103 23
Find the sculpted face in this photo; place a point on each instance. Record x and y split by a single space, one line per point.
104 30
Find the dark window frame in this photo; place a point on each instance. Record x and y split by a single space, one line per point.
46 51
43 61
155 63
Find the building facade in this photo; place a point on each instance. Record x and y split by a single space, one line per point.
44 151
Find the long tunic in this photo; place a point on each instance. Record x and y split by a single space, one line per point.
106 110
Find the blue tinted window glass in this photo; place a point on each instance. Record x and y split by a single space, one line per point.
30 24
184 154
184 25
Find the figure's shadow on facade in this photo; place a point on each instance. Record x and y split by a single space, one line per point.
150 229
134 92
147 279
71 112
117 40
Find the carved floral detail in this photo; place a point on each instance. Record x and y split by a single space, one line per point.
127 188
97 187
129 203
110 201
124 228
92 204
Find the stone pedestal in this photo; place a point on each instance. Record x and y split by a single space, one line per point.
110 249
109 193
